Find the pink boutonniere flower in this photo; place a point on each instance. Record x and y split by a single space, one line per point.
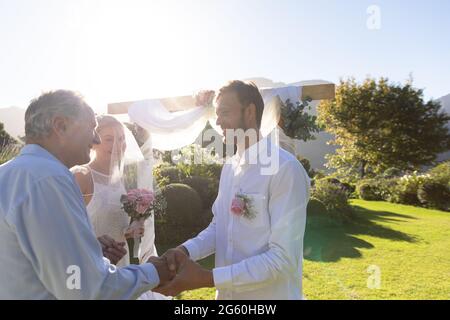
241 205
237 206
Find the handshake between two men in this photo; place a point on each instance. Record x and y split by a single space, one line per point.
178 273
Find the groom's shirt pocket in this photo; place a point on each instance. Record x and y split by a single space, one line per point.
258 207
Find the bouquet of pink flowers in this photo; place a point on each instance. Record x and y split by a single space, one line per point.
140 204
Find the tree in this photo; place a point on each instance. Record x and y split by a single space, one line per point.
5 138
378 125
297 123
8 147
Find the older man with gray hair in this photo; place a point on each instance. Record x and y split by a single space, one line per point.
49 250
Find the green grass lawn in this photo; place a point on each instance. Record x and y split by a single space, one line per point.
409 246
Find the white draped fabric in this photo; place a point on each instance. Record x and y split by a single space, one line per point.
174 130
170 130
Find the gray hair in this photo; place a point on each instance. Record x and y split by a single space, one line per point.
40 112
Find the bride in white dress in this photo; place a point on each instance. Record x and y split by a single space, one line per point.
102 187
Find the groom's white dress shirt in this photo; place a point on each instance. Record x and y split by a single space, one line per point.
258 258
48 248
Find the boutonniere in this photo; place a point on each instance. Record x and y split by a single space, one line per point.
242 206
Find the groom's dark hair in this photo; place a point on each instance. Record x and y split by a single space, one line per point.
247 93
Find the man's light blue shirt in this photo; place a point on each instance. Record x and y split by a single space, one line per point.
48 248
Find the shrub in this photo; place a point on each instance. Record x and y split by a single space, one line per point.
346 187
333 197
183 218
319 216
434 195
207 188
406 188
441 173
319 175
392 173
307 166
194 160
315 207
349 188
376 189
369 190
9 151
386 187
166 174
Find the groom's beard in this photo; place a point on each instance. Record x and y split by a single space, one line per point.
234 133
242 141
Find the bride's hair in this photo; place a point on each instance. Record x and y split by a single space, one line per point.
104 121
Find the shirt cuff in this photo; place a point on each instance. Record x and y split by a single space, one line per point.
192 248
151 274
223 278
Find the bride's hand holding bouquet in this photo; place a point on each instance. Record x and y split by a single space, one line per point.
140 204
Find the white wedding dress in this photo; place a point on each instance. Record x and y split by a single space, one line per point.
105 211
107 217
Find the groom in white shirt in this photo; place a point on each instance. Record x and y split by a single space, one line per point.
259 214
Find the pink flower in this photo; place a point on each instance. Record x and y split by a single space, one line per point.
238 206
141 208
132 195
142 199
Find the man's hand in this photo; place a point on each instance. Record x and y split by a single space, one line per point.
163 271
112 249
175 258
191 276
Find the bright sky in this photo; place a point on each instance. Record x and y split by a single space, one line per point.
115 51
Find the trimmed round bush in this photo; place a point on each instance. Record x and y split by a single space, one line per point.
207 188
441 173
434 195
348 188
182 217
315 208
369 190
319 216
183 203
333 197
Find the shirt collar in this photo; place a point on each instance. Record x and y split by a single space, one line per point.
37 150
252 153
